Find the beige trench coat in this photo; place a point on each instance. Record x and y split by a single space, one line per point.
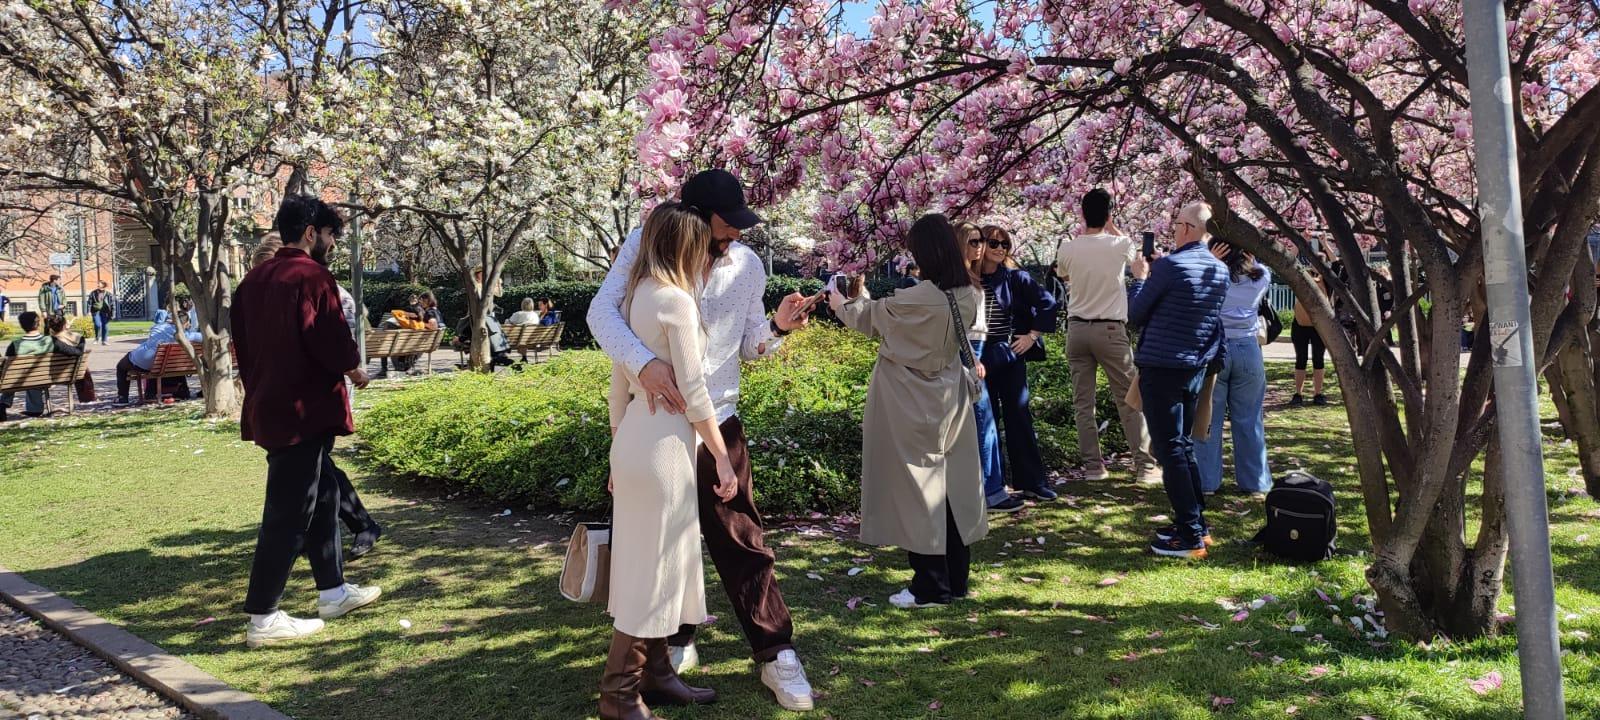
919 445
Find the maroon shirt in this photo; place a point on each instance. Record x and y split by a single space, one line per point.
294 349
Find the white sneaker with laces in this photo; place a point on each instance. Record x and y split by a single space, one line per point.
355 597
684 658
278 628
907 601
1095 472
786 677
1151 476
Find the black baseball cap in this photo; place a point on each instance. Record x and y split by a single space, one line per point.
718 191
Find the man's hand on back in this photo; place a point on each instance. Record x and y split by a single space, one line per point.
661 387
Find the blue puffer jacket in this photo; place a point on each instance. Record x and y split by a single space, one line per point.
1180 309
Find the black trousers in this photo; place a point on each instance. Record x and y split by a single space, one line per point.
351 512
301 515
942 578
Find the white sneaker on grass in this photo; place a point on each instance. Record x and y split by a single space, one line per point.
786 678
684 658
278 628
907 601
355 597
1151 476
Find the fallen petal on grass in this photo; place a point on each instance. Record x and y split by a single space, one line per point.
1490 682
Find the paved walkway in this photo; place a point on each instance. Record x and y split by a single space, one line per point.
103 361
44 675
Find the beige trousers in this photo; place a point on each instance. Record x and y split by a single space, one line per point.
1103 345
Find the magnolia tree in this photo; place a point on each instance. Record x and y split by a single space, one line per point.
163 110
1339 123
487 122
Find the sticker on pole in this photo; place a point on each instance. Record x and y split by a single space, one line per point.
1505 344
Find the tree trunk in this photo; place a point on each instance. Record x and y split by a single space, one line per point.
478 310
216 377
1573 377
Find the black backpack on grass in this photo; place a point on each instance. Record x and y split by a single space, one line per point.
1301 524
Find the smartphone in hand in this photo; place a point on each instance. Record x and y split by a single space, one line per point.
1149 248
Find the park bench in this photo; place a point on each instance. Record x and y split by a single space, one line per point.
399 343
170 362
41 372
533 338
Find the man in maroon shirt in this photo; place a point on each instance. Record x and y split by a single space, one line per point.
295 351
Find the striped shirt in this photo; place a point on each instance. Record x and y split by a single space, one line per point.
999 319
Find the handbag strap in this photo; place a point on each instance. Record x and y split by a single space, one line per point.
961 332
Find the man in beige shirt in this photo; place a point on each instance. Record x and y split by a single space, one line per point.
1097 334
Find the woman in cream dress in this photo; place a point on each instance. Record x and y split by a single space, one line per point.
657 579
921 487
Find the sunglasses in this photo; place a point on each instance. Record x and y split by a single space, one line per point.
975 242
997 244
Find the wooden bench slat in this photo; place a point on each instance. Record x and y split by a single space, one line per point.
41 372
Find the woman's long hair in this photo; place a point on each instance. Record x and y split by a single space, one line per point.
269 246
933 245
1242 264
672 248
966 232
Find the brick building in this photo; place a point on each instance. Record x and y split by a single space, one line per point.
84 241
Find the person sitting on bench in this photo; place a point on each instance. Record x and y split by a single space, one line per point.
144 356
33 342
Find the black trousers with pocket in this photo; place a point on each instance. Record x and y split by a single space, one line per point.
301 515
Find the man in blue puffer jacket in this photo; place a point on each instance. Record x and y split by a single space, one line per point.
1178 301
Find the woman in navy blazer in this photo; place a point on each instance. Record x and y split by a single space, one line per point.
1019 311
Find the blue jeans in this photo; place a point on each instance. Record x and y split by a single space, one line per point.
994 475
1007 382
1170 395
102 327
1241 392
33 401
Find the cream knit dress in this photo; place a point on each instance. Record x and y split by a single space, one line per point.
657 579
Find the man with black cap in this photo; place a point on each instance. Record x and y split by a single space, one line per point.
737 328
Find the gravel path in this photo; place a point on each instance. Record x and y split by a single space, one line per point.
44 675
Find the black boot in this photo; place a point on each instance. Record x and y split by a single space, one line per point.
365 540
662 686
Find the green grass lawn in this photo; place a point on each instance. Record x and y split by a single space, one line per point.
129 327
148 519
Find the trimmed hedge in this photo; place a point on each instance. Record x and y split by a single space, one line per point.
541 435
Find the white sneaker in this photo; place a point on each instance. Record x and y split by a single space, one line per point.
355 597
1095 472
786 678
280 627
1151 476
906 601
684 658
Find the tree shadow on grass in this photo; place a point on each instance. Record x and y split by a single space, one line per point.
490 637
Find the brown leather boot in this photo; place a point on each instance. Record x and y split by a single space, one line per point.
624 675
662 686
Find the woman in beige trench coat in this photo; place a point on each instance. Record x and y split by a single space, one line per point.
921 486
